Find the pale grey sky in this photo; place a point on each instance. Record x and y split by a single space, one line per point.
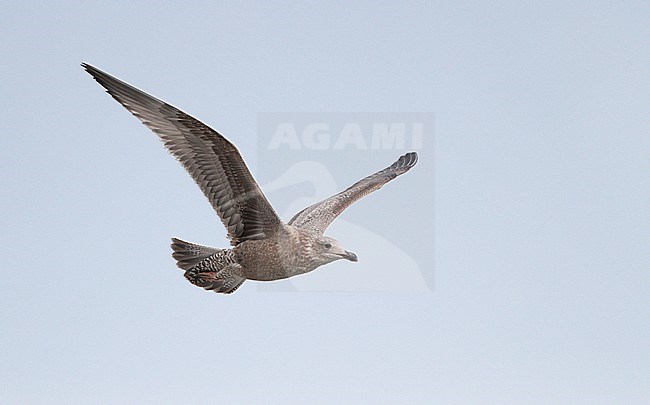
540 217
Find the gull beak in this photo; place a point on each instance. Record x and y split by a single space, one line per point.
350 256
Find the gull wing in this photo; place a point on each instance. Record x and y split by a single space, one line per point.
319 216
213 162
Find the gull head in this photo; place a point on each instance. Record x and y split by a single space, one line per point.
328 249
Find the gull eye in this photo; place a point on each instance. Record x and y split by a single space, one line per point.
328 245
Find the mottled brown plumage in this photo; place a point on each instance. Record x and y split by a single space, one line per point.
264 248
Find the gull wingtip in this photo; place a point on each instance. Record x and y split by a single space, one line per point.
409 159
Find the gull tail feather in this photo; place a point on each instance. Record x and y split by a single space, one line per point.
209 268
188 254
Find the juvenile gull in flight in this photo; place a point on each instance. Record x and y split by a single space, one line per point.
263 247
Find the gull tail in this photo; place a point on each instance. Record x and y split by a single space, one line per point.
206 267
188 254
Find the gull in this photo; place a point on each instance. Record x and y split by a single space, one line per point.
263 247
